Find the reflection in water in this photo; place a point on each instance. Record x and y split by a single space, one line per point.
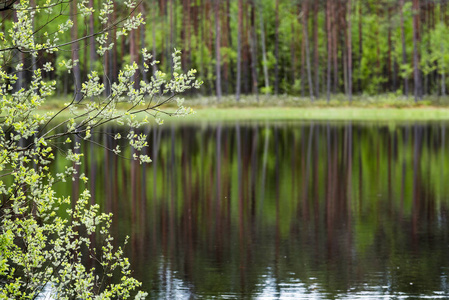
296 210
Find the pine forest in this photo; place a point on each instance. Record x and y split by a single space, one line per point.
313 49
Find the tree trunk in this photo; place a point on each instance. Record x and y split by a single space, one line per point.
133 51
404 49
172 34
316 61
349 47
253 46
335 45
360 44
329 47
142 40
416 74
92 52
306 39
239 50
303 63
153 36
292 54
276 49
217 49
75 52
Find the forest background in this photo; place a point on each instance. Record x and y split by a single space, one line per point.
312 49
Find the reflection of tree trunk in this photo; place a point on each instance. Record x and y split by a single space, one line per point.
264 170
316 179
218 168
349 180
416 179
329 160
107 172
443 152
93 171
307 177
143 189
277 196
406 138
360 198
157 133
76 180
253 168
133 187
240 209
173 190
218 183
389 154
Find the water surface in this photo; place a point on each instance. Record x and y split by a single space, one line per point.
302 210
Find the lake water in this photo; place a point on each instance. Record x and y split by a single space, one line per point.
297 210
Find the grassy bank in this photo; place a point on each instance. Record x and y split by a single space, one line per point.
363 108
316 113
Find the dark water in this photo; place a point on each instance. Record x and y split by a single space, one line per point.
283 210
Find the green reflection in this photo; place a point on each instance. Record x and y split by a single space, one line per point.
341 208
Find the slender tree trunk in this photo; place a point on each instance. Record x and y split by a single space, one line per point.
133 51
227 38
172 34
217 49
443 76
239 50
335 45
276 49
329 48
349 47
246 67
92 53
224 42
391 81
33 57
253 46
189 36
292 54
203 35
142 9
360 44
75 52
316 57
404 49
306 39
20 83
416 74
153 36
112 59
303 63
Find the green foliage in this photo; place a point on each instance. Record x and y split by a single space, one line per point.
46 239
